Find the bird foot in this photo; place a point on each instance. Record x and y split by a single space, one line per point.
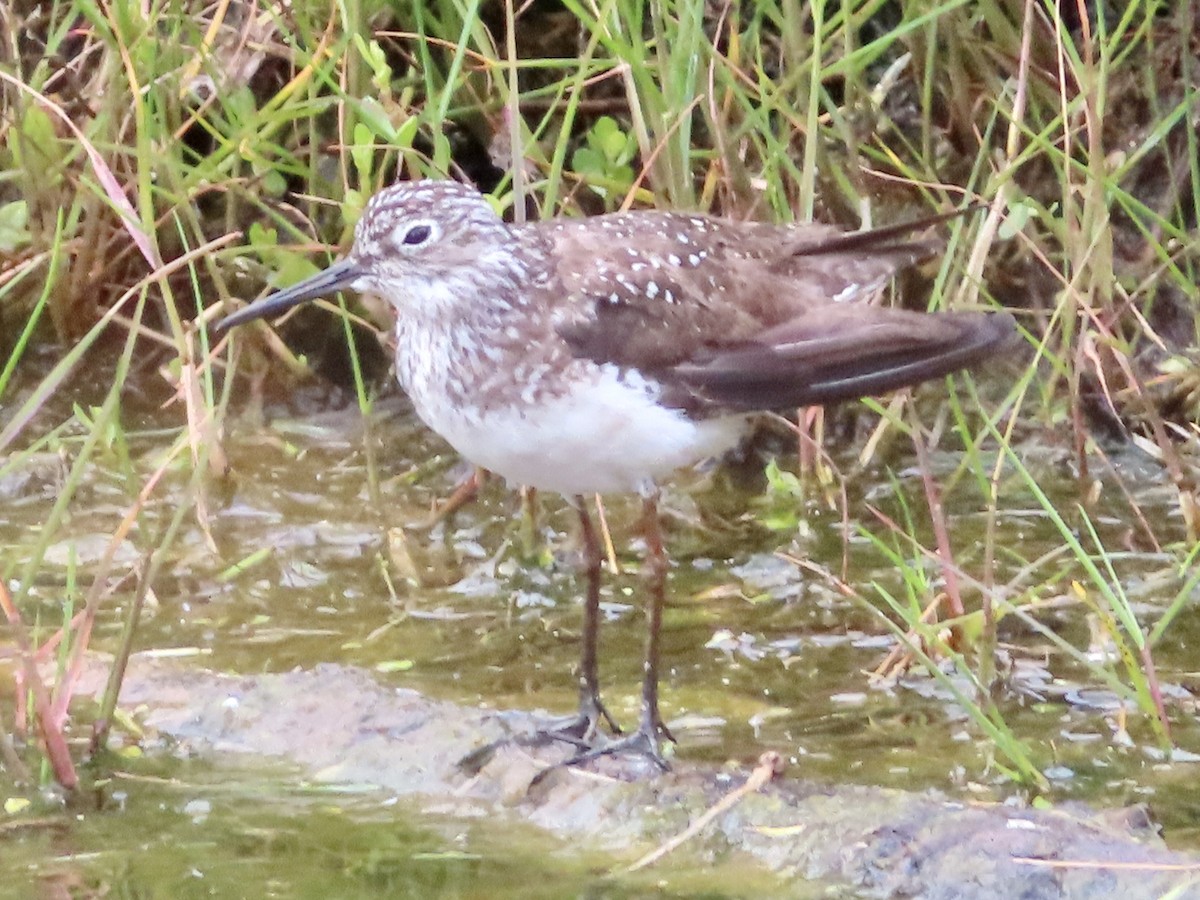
643 742
592 712
580 731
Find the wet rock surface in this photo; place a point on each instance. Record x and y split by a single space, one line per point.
343 726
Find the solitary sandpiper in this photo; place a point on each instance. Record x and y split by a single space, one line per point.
600 355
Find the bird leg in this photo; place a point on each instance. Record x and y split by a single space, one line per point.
591 709
466 491
651 728
652 725
582 729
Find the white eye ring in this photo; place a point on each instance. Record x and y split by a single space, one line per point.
415 234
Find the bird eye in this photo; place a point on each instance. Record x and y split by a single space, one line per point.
418 234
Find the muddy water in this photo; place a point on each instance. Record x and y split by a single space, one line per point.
759 655
254 832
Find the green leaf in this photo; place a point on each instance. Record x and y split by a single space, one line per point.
291 268
363 153
403 136
373 55
610 140
261 237
240 104
1014 222
274 183
783 483
588 162
376 118
394 665
14 221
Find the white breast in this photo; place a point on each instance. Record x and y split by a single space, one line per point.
607 434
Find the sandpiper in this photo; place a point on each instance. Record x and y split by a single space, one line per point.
600 355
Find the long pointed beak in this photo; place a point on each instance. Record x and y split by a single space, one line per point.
342 274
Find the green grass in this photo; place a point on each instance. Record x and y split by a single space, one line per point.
136 204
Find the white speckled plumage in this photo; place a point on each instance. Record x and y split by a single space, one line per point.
596 355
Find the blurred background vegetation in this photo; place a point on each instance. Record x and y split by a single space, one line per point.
179 156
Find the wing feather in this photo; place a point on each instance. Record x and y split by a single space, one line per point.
842 353
741 316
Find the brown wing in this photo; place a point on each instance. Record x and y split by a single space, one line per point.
839 353
657 288
749 316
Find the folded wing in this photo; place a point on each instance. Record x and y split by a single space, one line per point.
739 316
840 353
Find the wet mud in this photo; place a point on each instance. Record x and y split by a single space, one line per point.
339 725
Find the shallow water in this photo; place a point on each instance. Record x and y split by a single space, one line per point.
256 832
758 655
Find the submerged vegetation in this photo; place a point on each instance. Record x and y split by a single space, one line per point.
161 164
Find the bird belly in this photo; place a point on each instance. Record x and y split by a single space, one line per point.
606 434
